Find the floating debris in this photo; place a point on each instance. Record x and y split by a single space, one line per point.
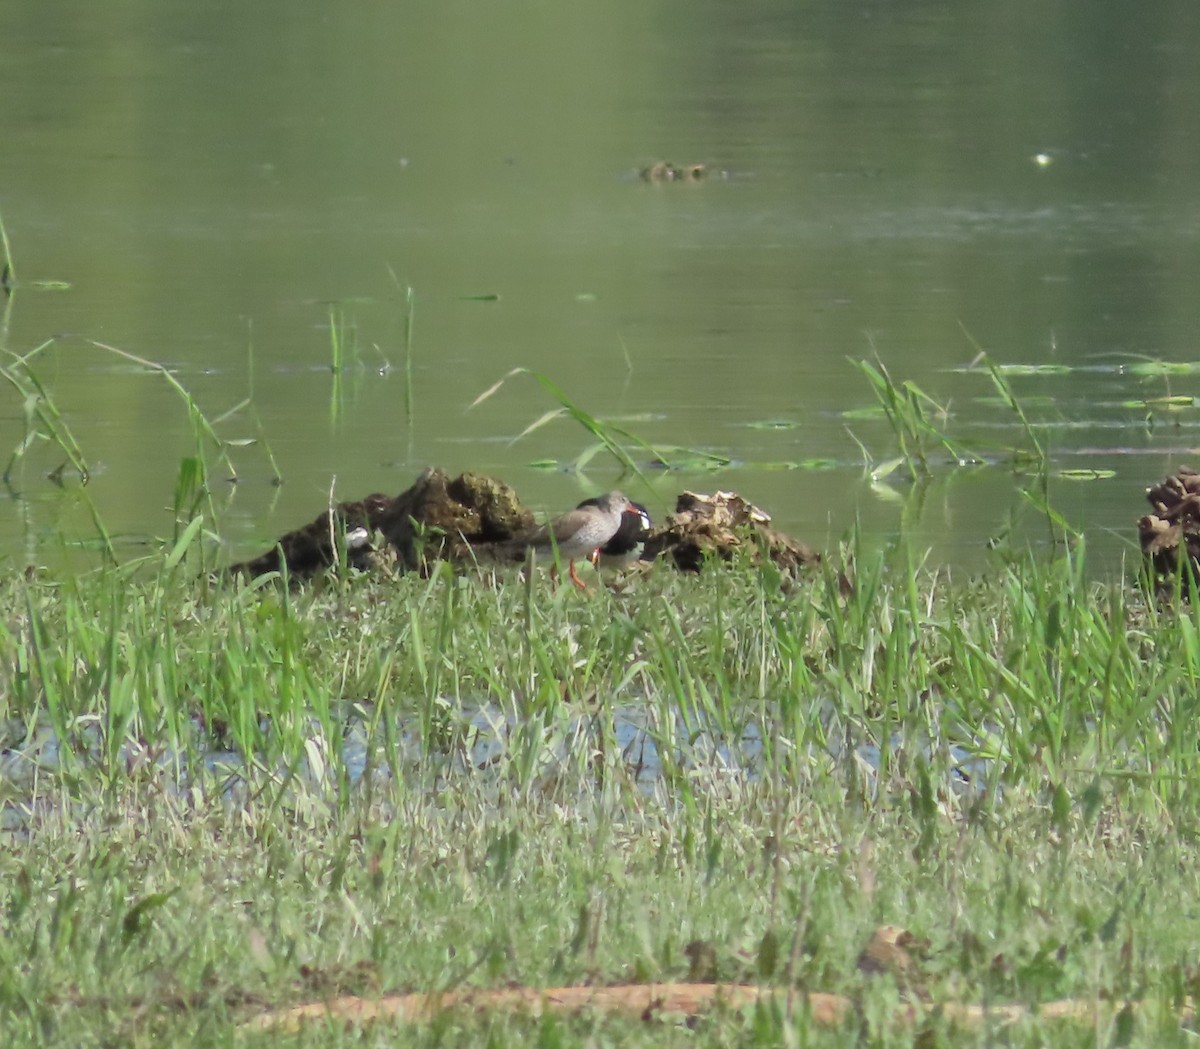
665 171
1084 474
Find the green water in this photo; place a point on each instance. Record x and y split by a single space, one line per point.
216 181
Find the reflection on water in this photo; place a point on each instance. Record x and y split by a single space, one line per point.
903 180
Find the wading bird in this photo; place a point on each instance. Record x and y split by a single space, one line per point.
626 546
580 533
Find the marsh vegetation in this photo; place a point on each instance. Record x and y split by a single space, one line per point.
954 789
223 799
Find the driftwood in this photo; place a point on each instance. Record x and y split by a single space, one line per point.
468 519
1170 534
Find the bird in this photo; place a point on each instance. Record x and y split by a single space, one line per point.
626 546
579 533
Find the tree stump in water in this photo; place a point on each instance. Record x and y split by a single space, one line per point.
473 518
715 526
448 520
665 171
436 519
1170 535
311 549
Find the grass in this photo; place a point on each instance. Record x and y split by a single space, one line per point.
367 831
630 452
222 799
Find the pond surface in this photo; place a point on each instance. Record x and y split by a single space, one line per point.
232 189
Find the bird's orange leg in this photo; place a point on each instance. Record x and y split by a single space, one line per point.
575 578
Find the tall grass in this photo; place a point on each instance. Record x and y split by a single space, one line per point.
910 413
855 758
631 452
612 439
8 280
1045 675
45 426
